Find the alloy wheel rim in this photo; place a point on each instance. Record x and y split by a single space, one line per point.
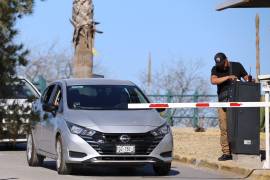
59 152
29 147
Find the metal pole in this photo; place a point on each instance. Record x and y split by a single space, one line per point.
195 111
267 161
258 64
149 75
169 111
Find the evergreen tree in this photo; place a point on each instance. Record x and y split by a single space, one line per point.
12 55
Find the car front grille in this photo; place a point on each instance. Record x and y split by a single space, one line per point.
105 144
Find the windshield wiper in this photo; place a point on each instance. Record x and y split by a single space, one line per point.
87 108
98 108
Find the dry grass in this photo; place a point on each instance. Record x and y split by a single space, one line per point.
199 145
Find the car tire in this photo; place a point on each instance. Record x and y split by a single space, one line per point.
33 158
162 169
62 167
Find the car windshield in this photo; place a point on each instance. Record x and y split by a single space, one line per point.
103 97
18 90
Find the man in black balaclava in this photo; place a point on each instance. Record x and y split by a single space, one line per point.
222 73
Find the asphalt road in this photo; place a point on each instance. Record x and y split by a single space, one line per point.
13 166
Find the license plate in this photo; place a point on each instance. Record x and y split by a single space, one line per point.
130 149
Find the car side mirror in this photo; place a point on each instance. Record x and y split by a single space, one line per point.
49 108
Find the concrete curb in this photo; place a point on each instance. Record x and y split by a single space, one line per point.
250 173
260 176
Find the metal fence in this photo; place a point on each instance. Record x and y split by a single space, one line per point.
188 117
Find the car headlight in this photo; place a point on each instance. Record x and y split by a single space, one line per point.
79 130
161 131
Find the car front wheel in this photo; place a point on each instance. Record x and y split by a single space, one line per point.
33 158
162 169
61 165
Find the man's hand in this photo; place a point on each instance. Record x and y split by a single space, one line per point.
232 77
246 78
216 80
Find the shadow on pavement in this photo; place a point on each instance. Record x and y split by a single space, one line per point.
49 165
262 153
11 147
109 171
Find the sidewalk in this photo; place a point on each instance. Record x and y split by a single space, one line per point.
203 148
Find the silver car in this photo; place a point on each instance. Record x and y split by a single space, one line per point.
87 122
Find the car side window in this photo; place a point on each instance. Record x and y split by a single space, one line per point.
47 94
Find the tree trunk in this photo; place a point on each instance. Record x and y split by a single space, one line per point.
82 20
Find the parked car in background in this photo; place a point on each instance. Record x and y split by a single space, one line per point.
20 92
87 122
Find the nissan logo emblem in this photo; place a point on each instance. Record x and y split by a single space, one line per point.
124 138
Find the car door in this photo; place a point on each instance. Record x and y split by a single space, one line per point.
44 117
51 124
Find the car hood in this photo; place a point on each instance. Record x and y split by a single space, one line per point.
114 121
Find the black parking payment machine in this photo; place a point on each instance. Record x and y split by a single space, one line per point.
244 123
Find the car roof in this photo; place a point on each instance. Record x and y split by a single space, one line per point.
96 81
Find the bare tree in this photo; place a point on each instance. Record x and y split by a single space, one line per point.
176 80
53 63
50 63
176 77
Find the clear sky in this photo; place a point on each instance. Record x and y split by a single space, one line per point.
170 29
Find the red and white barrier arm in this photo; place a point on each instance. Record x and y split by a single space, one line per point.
199 105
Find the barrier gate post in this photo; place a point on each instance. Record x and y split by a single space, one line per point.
265 81
267 162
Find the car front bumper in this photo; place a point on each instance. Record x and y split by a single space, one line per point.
162 153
